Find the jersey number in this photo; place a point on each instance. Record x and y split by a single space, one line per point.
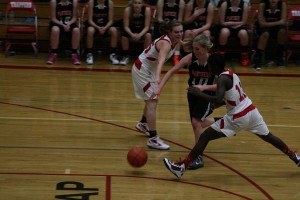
240 91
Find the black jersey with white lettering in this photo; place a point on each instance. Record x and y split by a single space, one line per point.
101 13
233 15
199 74
170 10
201 19
64 11
151 2
272 16
137 21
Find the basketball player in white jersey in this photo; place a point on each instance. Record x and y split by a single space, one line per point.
241 115
146 72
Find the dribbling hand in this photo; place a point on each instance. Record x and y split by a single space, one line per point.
194 91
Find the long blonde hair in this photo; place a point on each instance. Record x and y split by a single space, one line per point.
202 39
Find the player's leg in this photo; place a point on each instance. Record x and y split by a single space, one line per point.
279 144
89 45
154 141
142 125
244 41
178 168
75 44
114 35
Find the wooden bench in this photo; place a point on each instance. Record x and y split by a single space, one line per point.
43 13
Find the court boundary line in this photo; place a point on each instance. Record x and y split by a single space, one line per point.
86 69
258 187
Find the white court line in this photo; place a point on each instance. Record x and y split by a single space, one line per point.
111 120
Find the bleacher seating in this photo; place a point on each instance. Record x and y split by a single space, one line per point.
43 13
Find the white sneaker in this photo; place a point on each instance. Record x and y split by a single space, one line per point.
297 160
143 127
114 59
157 143
177 169
89 59
125 60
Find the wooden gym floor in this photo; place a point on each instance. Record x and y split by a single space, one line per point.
65 133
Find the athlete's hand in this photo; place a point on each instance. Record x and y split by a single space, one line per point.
102 30
155 93
194 91
66 27
199 11
201 87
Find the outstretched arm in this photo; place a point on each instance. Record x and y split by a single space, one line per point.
223 83
183 62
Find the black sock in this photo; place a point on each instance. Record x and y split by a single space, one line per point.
74 51
152 134
113 50
280 51
89 50
54 50
222 49
244 49
125 53
258 56
144 119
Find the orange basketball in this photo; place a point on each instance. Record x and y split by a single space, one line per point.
137 157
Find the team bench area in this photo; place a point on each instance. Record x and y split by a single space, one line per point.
43 13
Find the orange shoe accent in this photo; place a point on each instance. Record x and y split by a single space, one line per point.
176 59
245 59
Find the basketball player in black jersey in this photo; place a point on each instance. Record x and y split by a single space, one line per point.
233 19
136 27
100 23
63 21
169 10
198 19
198 75
272 18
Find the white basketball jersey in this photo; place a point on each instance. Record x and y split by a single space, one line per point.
235 98
150 54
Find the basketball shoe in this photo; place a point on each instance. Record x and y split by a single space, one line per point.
89 59
157 143
124 60
297 159
245 59
143 127
176 59
114 59
52 58
198 163
177 169
75 59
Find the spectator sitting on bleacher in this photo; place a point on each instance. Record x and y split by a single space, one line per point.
63 20
272 17
136 26
167 11
198 19
233 19
100 23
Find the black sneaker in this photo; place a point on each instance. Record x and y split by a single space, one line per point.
198 163
281 62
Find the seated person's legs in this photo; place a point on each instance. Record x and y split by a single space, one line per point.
89 45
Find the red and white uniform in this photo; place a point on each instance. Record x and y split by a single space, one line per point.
144 69
241 113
